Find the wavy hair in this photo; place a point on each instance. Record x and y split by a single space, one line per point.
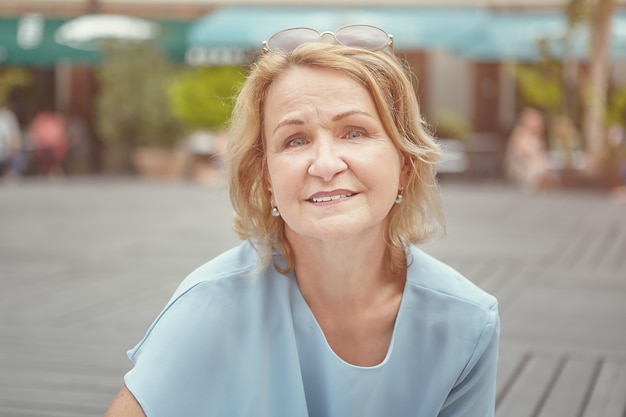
388 80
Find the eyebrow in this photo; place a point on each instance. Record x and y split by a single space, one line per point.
288 122
350 113
335 118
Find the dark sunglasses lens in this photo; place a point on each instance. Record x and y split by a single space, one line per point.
362 36
290 39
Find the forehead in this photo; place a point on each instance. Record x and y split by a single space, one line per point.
315 86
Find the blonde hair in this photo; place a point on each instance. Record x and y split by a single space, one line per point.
417 218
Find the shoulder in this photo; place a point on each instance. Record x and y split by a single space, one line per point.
454 319
235 279
433 276
212 335
219 295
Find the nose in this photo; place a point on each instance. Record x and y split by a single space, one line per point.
327 160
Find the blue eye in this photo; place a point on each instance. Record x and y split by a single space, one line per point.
355 134
296 142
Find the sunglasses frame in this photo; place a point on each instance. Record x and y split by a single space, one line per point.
265 48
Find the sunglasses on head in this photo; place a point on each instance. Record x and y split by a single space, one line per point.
366 37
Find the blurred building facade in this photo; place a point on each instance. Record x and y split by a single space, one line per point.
478 91
195 8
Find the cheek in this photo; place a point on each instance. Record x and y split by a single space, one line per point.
272 171
283 178
383 168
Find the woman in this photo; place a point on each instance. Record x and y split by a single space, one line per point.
49 134
327 308
527 162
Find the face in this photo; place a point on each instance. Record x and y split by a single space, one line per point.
333 171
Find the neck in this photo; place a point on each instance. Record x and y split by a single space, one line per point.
352 293
346 275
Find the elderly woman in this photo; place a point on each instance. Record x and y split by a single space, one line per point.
327 308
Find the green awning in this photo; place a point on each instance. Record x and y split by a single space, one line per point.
29 41
34 40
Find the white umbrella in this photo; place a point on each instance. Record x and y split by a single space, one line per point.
84 32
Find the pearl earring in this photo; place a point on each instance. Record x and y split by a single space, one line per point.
399 197
275 211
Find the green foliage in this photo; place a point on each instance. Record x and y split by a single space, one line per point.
451 125
541 87
578 12
203 97
616 112
133 106
11 78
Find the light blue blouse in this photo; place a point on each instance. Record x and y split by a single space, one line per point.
238 341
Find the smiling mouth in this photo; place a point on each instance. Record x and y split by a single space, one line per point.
330 198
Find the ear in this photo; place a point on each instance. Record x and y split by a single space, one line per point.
405 171
268 181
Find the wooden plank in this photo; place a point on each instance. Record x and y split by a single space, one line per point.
527 393
617 260
28 409
608 398
496 276
510 364
570 391
70 306
516 281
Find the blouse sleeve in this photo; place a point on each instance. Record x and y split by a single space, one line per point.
474 394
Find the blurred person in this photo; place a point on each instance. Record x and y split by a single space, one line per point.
328 307
566 143
50 141
12 158
526 161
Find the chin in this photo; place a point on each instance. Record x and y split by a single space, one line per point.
338 233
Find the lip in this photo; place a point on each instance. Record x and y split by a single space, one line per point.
330 196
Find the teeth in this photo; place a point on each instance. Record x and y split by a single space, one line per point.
330 198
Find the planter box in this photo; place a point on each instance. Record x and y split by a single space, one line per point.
160 164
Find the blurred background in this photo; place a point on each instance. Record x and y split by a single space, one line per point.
525 91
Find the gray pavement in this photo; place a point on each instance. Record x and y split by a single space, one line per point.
85 265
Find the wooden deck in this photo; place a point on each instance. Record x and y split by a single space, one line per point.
86 265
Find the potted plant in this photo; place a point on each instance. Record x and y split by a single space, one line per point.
133 109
